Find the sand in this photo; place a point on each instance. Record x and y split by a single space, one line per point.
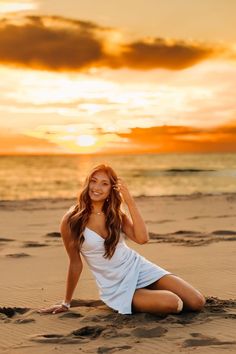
191 236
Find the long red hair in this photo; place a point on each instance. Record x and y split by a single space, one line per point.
79 217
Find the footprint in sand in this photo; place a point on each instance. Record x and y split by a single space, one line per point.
200 340
24 320
193 238
111 318
111 332
149 332
33 244
18 255
53 234
3 239
56 338
71 315
213 303
88 331
159 221
224 232
104 350
81 335
12 311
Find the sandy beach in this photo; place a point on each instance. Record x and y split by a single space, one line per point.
191 236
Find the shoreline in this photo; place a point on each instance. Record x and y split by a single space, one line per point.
191 195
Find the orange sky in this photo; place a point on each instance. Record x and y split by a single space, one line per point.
115 81
148 140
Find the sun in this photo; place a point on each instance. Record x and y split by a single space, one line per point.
86 140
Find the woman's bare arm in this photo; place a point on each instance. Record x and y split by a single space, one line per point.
74 269
75 262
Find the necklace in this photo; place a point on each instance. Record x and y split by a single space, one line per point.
97 212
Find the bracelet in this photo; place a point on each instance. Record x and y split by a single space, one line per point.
65 304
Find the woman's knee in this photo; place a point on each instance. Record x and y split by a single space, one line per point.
197 302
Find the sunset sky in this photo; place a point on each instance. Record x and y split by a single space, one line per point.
94 76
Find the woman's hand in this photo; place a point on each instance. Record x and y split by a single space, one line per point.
123 189
54 309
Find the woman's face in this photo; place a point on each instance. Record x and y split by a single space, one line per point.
99 186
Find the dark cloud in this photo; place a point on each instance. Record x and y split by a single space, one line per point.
159 53
60 44
36 44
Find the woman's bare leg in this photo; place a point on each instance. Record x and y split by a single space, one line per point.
156 301
167 295
191 297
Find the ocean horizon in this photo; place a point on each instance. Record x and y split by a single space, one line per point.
61 176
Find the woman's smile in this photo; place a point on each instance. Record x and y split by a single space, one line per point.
97 193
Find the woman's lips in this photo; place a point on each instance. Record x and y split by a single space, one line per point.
96 193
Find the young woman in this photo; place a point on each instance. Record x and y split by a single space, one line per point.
127 281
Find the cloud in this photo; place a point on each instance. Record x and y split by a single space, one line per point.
184 139
38 44
59 44
159 53
11 143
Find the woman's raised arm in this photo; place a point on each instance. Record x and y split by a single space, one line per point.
135 229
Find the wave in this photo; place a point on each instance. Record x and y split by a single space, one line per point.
188 170
169 171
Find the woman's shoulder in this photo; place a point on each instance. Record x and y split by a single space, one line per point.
65 225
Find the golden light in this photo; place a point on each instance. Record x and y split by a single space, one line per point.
113 42
7 6
86 140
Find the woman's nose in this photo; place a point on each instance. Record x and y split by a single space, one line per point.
97 188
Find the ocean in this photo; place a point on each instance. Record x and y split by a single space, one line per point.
37 177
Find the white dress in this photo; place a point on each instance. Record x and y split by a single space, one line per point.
118 278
